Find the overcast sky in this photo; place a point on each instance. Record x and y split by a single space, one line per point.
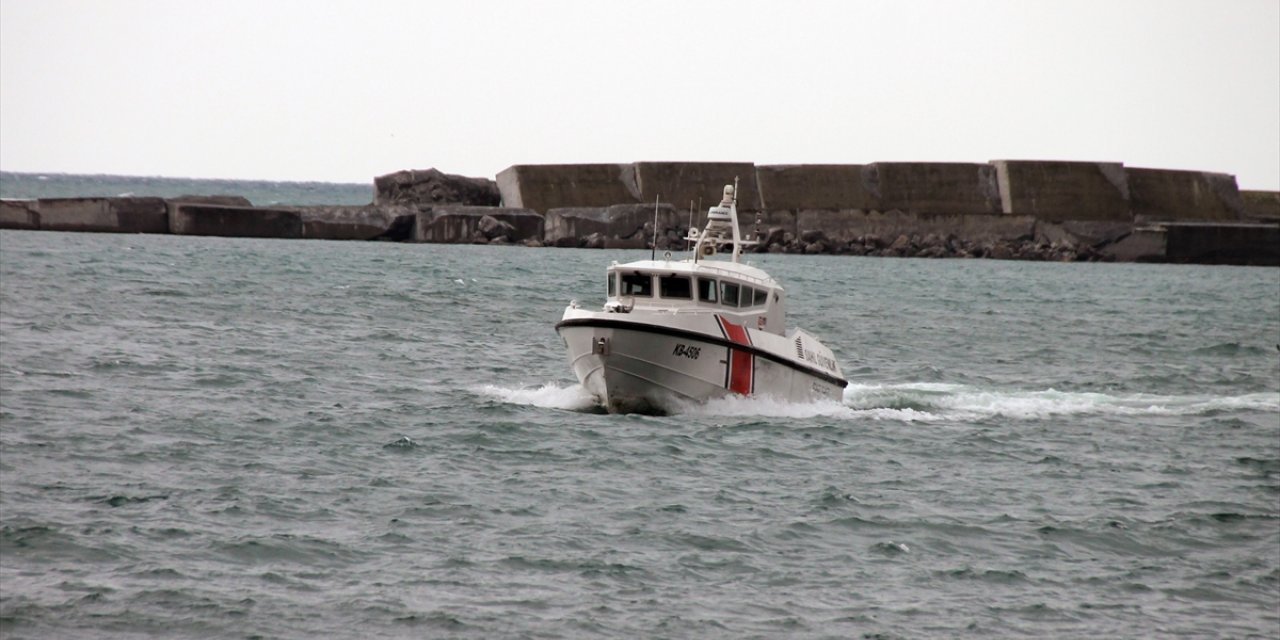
331 90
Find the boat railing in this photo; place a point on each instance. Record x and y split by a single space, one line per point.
720 271
678 308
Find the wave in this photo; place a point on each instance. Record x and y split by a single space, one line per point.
954 401
549 396
919 402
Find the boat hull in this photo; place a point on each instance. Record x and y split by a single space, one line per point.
634 366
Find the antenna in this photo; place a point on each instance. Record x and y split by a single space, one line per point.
688 246
653 254
737 241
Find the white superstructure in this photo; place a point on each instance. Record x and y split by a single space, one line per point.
674 331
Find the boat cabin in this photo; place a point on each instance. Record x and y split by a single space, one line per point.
727 289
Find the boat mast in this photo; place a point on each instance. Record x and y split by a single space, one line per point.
733 214
653 253
722 227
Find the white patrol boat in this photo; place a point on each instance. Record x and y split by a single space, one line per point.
679 331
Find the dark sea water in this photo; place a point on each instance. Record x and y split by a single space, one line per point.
27 186
208 437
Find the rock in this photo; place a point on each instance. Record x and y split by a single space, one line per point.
901 244
667 243
465 224
594 241
775 235
230 201
812 236
402 228
433 187
814 248
636 241
620 222
492 227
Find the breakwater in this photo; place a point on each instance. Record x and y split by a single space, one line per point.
1004 209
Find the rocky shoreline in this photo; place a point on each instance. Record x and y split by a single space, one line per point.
816 242
932 246
1005 210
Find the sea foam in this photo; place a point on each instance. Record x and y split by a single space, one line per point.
573 397
915 402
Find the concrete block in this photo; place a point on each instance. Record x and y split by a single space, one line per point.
140 215
847 225
551 186
628 220
1165 195
1054 191
77 214
843 225
563 226
680 183
463 224
19 214
914 187
110 215
615 222
1223 243
812 186
1239 243
196 219
932 187
769 218
1261 205
1082 233
1144 244
368 222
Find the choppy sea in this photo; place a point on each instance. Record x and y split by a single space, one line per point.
26 185
222 438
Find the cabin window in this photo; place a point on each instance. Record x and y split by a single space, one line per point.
613 285
637 284
729 294
706 290
675 287
761 298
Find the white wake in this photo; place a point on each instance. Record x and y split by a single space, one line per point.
918 402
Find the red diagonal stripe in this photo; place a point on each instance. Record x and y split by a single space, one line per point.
734 332
741 362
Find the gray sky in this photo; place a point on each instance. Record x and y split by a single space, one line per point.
332 90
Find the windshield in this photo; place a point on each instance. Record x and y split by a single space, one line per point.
637 284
